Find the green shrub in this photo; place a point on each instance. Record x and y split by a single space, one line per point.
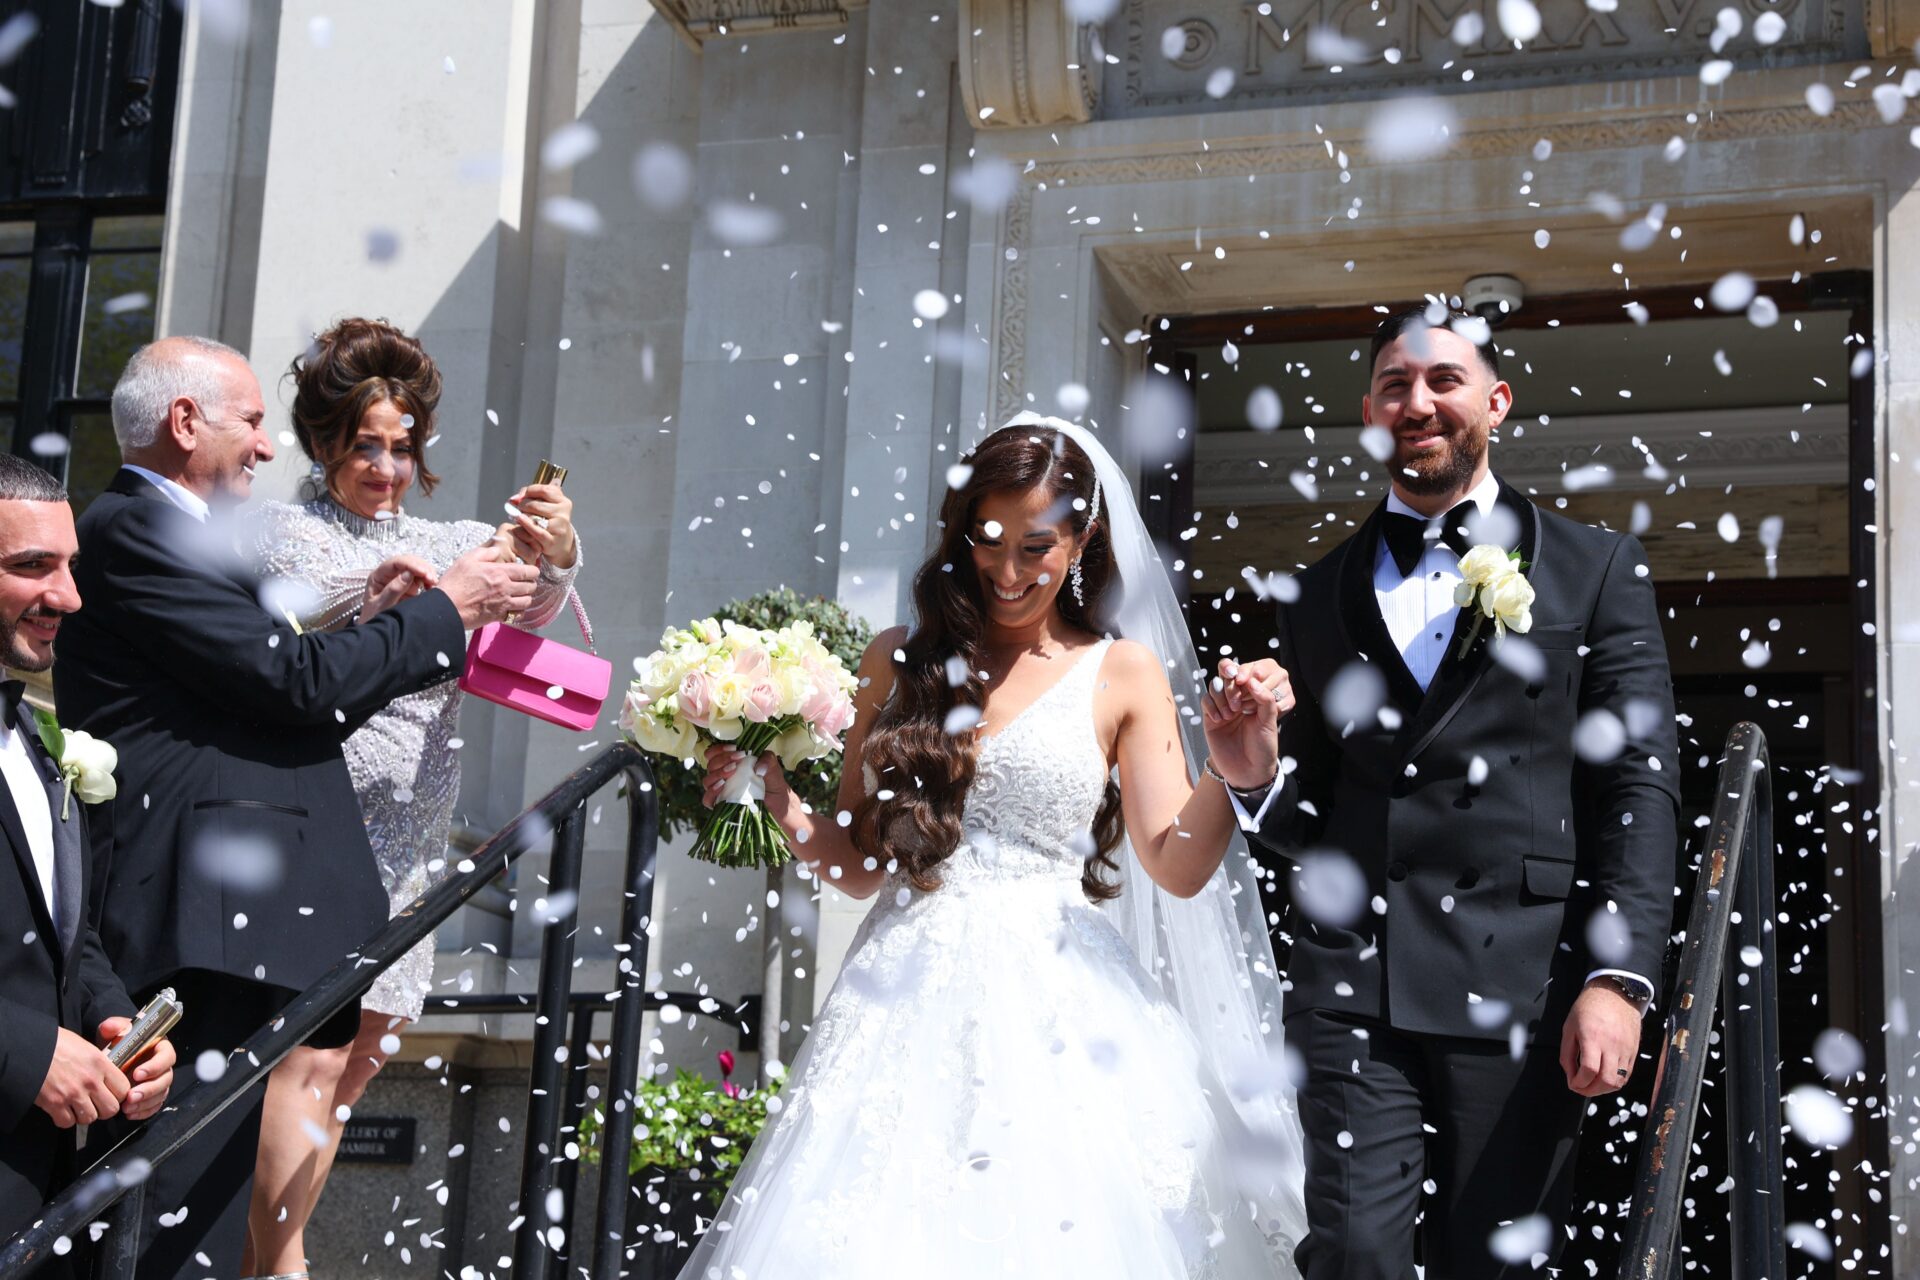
687 1125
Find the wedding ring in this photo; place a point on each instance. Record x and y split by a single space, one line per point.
1621 1072
539 522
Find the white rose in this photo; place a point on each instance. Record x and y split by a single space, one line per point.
1508 600
794 683
796 746
729 694
662 734
88 763
1483 564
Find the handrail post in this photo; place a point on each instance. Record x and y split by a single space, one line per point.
1740 831
530 1247
120 1246
566 1178
1750 1020
623 1057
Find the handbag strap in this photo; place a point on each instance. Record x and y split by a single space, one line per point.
580 616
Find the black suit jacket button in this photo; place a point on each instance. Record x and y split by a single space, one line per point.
1396 871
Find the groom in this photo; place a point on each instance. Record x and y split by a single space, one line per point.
1511 807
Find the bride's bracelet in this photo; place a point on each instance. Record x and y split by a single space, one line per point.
1207 768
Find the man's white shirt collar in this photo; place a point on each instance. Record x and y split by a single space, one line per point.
1482 495
176 493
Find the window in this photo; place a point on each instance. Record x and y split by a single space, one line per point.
83 180
16 265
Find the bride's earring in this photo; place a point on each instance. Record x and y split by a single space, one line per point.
1073 581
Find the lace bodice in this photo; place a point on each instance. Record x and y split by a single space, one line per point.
1038 782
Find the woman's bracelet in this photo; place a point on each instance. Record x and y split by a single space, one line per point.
1207 768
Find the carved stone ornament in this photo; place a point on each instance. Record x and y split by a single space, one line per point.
1025 63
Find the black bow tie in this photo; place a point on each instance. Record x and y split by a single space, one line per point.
1408 540
11 691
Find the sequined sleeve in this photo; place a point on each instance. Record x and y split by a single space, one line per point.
550 593
291 543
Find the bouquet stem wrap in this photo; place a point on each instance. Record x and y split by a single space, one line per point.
738 831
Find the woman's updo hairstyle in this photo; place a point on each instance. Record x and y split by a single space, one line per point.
924 769
350 368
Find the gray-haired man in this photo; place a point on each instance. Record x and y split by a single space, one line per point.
239 864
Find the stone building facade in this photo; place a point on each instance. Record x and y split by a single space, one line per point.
758 270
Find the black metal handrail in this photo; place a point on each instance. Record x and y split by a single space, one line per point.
1733 898
116 1182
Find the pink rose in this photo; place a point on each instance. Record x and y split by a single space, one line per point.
835 720
763 702
820 700
696 697
751 662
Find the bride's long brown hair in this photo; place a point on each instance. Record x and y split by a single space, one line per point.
924 771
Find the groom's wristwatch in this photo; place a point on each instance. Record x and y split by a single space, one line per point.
1245 793
1632 992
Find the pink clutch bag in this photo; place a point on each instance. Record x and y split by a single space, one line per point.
543 678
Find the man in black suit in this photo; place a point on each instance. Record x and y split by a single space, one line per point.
59 999
240 869
1481 836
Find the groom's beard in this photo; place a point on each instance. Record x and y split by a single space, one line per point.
14 653
1446 470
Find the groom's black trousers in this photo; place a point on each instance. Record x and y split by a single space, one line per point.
1501 1150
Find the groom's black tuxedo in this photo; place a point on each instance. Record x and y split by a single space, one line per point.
55 975
1489 889
1479 892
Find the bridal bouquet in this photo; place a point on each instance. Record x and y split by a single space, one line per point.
758 689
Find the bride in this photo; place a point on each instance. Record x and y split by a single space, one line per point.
1053 1049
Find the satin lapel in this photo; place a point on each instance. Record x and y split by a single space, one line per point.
67 837
1367 632
16 835
1458 676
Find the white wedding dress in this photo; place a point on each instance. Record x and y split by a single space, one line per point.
995 1086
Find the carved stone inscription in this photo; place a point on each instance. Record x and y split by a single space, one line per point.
1194 52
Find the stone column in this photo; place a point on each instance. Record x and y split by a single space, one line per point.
1898 519
902 392
762 412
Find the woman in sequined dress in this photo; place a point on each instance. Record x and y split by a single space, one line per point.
364 413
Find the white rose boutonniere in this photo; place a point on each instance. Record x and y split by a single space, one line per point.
1493 585
86 763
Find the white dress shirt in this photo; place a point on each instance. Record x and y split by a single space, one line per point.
29 793
1419 608
176 493
1419 611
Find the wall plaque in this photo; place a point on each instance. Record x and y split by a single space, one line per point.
1195 54
377 1140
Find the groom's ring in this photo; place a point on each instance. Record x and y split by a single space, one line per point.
1621 1072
